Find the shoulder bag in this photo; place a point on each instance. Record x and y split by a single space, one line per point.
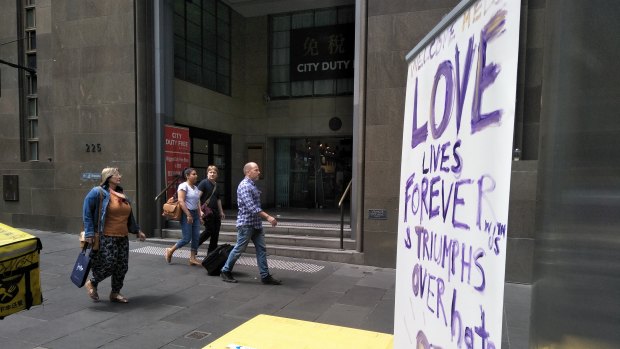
171 209
206 210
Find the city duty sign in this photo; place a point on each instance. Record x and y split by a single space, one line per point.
455 179
176 152
320 53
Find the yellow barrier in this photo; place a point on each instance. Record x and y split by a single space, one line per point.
272 332
20 286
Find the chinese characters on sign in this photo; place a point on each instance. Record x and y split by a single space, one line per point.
322 53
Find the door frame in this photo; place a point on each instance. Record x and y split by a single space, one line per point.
214 137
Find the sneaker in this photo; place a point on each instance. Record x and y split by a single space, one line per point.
227 277
269 280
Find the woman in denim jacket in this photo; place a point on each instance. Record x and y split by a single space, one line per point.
113 226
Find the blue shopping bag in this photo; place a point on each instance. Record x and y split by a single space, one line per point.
81 267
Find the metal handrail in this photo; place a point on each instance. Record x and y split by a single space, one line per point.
346 191
172 182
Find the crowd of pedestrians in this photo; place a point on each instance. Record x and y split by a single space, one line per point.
108 219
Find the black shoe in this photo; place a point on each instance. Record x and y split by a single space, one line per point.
227 277
269 280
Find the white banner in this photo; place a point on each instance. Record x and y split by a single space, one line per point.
455 181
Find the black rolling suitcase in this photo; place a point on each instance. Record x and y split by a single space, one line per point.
214 261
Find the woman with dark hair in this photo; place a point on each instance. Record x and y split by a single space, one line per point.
189 200
211 196
113 221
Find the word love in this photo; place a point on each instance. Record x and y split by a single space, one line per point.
456 86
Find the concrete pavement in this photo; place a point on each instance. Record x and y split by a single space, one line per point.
180 306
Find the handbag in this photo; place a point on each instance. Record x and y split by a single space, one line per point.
96 237
206 210
172 209
81 267
95 241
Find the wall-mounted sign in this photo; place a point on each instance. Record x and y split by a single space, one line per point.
10 187
321 53
176 152
91 176
455 179
93 148
375 213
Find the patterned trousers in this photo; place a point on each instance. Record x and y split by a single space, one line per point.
111 260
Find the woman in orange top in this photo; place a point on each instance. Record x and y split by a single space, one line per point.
113 227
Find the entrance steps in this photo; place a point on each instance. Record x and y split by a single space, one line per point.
297 238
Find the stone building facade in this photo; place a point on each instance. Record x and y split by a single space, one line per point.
106 87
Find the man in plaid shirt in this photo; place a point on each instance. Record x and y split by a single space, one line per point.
250 227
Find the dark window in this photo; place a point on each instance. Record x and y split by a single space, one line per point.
280 83
202 43
29 106
30 17
31 40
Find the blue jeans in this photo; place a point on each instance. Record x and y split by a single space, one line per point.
191 232
246 233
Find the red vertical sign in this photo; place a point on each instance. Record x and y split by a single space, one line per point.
176 150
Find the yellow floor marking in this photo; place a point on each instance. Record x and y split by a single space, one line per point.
272 332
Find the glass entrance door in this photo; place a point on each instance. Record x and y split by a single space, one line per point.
312 172
212 148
